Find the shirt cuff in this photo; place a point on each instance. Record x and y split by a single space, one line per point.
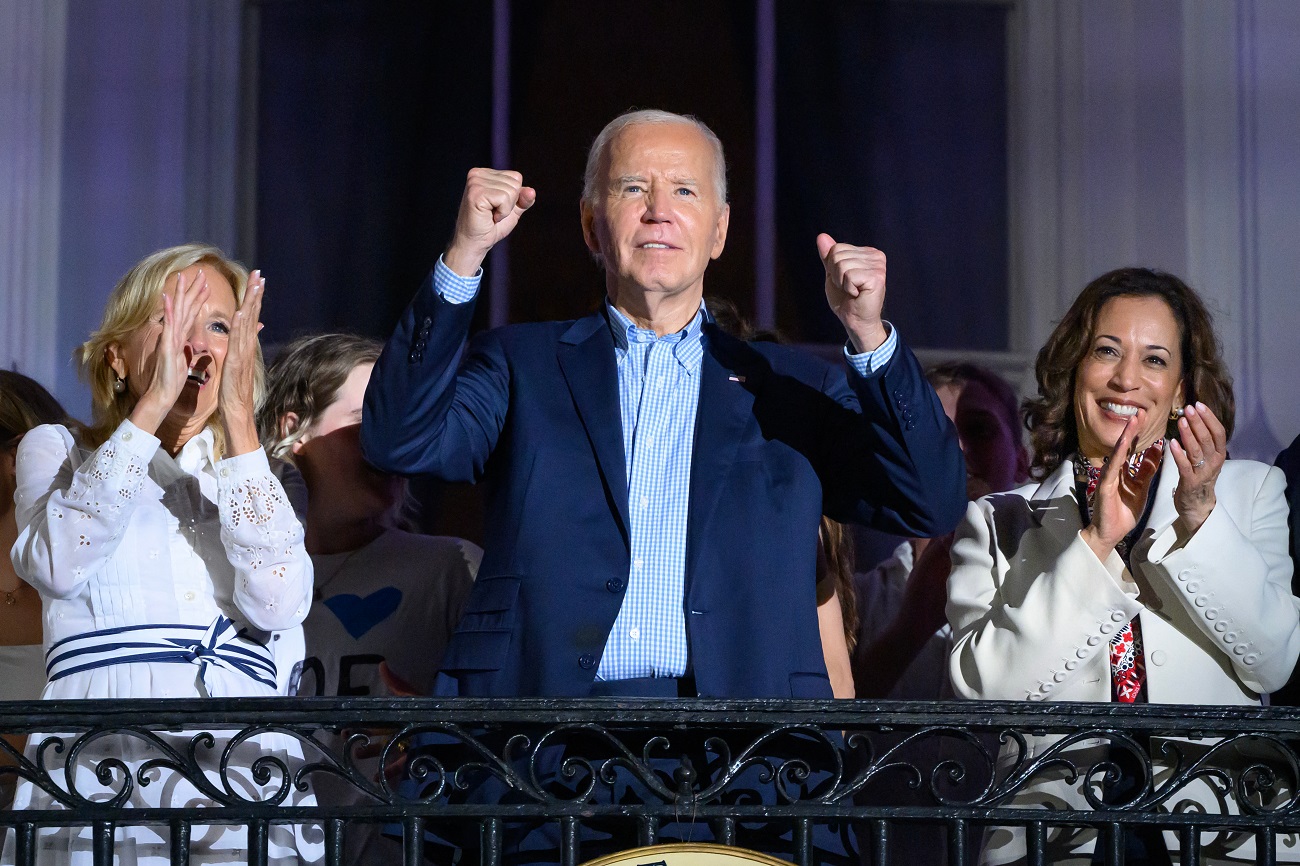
868 364
132 439
452 287
242 466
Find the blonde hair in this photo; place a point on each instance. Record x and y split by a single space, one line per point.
129 307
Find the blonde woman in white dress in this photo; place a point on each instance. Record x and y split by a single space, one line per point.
164 549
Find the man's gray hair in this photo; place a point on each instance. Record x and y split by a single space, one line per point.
600 147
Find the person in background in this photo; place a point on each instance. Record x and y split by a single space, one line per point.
376 583
837 609
1141 566
166 552
24 404
902 641
387 600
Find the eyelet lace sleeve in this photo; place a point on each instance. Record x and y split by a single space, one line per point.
264 542
71 514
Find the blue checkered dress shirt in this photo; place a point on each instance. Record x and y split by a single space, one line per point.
659 394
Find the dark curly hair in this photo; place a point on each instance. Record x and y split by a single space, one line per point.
1050 416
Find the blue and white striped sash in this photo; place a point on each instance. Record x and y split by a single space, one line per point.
217 645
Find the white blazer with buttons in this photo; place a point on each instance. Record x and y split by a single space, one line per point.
1033 610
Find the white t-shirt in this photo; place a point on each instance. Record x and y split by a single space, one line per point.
398 599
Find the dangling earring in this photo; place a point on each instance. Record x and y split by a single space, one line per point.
119 386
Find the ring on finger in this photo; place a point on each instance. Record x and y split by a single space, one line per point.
1199 463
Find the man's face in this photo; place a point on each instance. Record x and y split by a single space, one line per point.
657 220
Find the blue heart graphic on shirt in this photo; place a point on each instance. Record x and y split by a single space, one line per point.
359 615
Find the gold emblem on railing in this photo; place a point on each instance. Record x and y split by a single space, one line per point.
687 854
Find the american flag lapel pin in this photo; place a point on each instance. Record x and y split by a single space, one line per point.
734 378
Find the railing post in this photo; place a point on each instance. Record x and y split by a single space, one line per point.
490 841
1190 846
103 853
1113 838
25 844
803 842
1265 846
647 830
957 843
569 841
725 830
880 843
413 841
334 841
180 842
258 840
1036 839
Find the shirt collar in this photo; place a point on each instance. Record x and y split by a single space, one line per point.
687 346
198 453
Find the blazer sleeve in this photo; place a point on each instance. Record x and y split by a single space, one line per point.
421 415
900 470
1234 577
1025 627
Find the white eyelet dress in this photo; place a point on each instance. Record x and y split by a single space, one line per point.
131 548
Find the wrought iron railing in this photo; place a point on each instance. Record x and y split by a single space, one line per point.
480 770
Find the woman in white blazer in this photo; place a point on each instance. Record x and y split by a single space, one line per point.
1142 566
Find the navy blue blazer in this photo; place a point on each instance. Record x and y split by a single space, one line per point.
533 413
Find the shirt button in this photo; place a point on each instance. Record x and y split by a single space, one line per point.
614 585
586 661
126 437
189 596
225 473
634 633
650 440
645 501
637 563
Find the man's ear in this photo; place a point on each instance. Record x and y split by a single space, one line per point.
720 240
589 228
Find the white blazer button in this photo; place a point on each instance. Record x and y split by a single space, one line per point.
1081 653
1230 637
1220 626
1046 687
1183 575
1158 657
1071 665
1212 614
1251 659
1201 601
1059 676
1093 640
1193 586
1107 628
1117 616
1239 649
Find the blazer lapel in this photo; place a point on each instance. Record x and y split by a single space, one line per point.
1163 513
586 357
1055 502
725 410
